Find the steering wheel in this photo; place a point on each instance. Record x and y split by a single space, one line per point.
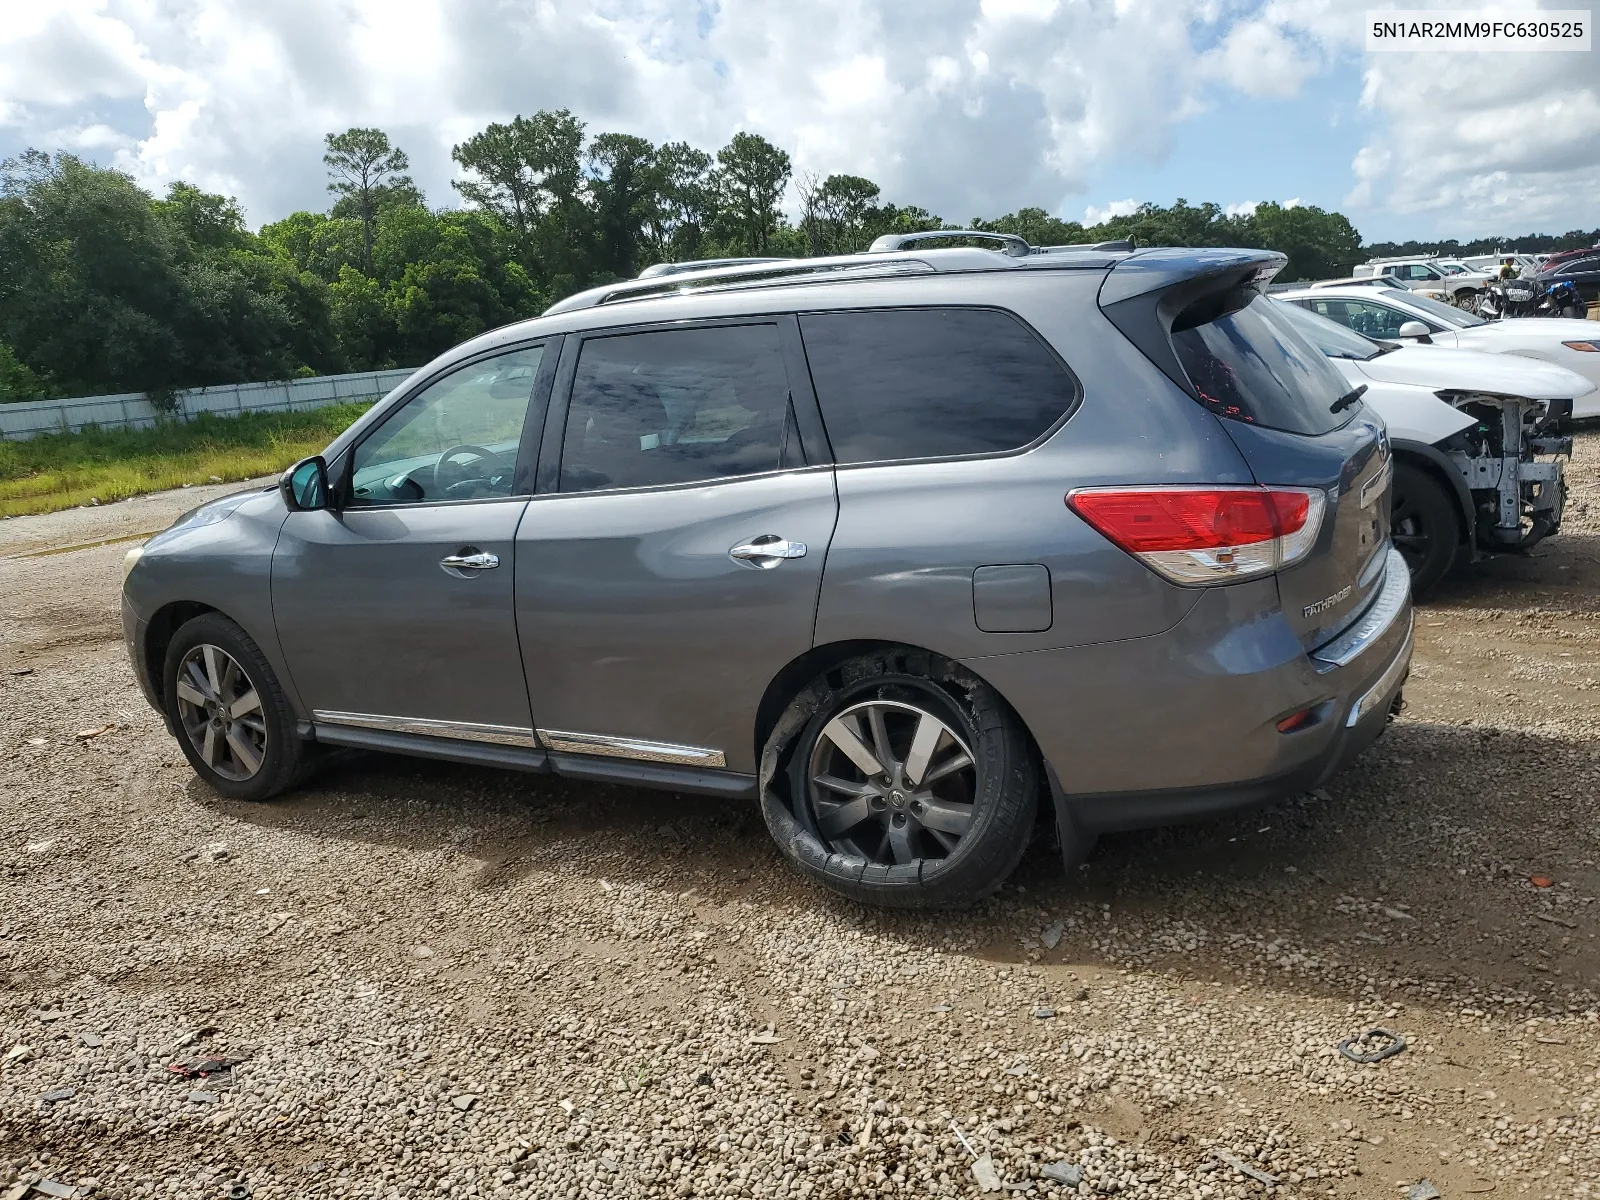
448 474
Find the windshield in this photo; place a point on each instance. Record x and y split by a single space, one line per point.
1451 269
1332 338
1253 365
1438 310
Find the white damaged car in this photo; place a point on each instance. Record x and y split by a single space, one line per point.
1411 317
1476 438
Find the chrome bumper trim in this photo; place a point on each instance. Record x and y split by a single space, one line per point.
465 731
634 748
1373 623
1374 695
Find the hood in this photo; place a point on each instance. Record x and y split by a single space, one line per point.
1442 369
1557 329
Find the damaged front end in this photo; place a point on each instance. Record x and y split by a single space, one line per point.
1511 460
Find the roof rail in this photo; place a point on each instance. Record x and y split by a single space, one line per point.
1116 246
699 264
1011 244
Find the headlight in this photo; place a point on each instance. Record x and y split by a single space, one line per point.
1585 347
131 560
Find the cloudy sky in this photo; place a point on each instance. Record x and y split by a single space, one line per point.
968 107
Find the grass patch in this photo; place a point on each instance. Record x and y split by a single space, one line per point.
65 470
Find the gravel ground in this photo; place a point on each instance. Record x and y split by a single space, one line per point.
447 982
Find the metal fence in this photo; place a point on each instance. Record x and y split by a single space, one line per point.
132 411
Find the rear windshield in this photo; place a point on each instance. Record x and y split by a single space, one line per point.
1251 365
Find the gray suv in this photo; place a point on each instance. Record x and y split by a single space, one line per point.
911 547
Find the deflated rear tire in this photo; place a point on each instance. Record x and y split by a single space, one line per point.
901 779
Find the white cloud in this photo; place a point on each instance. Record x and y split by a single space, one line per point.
1245 208
1117 208
967 106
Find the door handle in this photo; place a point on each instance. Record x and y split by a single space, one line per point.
478 560
766 551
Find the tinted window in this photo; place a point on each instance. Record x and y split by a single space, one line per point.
1251 365
1447 313
454 440
931 383
675 407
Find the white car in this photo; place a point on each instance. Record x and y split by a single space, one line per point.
1425 275
1405 316
1465 429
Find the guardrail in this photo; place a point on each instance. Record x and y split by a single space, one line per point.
131 410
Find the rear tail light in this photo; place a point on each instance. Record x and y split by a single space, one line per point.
1196 536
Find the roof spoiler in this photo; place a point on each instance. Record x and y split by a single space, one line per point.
1143 295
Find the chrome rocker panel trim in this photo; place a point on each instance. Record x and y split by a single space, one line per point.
633 748
469 731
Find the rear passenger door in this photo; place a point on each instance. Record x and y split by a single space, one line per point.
669 567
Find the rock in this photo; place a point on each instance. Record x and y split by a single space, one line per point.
19 1054
58 1095
1044 1012
1065 1172
41 847
1051 937
464 1101
1423 1189
421 952
988 1178
199 1097
51 1014
92 1040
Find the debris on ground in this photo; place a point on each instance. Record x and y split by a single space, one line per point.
464 1101
1555 920
23 671
1541 881
92 1040
1051 937
193 1036
57 1095
205 1066
1384 1042
275 922
988 1178
1044 1012
1423 1189
199 1097
19 1054
1244 1168
41 847
85 735
1065 1172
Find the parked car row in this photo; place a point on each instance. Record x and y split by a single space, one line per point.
902 545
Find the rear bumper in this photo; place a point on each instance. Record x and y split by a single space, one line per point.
1183 725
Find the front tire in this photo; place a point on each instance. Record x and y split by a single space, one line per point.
1424 526
900 779
232 719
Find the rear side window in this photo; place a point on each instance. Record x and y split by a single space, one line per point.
677 407
1251 365
932 382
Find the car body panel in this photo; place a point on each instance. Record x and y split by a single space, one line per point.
635 622
374 627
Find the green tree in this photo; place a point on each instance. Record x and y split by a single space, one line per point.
1037 227
625 189
366 170
834 212
18 381
685 202
529 174
751 175
1320 245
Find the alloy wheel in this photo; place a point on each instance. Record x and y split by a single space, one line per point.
892 783
220 711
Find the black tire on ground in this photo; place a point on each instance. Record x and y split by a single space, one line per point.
1424 526
889 858
267 729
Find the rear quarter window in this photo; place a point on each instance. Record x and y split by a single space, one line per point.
1252 365
899 384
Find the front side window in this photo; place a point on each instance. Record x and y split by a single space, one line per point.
1366 318
678 406
932 382
456 439
1442 315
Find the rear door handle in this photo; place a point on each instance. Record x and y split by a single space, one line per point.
478 560
766 551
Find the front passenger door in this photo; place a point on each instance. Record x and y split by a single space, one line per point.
394 608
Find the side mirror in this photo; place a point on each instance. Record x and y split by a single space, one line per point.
1416 329
305 485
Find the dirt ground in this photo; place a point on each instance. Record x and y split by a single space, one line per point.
454 982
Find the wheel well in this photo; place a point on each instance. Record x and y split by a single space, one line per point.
164 625
1430 468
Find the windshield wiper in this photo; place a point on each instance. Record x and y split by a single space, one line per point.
1383 348
1346 400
